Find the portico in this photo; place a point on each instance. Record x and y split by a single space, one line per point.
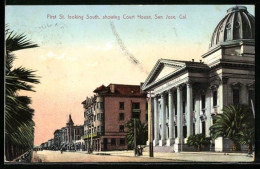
187 95
174 101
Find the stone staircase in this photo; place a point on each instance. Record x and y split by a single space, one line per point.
164 149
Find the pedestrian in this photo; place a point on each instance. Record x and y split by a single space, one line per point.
61 150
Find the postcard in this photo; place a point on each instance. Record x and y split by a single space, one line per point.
129 83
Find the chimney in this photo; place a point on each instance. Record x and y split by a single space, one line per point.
141 91
112 88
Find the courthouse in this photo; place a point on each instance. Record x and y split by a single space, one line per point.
187 95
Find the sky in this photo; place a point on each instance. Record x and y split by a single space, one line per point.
75 56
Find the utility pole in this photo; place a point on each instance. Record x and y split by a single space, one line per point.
134 139
150 122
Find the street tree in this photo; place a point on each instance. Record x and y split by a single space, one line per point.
19 124
234 124
141 133
198 140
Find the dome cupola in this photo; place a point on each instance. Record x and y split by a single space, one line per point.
238 24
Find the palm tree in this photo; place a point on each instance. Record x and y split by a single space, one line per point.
247 133
141 133
198 140
19 125
231 123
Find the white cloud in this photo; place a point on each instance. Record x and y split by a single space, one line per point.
52 55
108 46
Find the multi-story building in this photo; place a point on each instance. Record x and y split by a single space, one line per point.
50 144
187 95
68 137
57 138
70 134
107 112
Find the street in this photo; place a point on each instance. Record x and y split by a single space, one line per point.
128 156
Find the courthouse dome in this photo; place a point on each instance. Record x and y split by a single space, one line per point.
238 24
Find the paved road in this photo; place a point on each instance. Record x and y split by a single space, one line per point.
127 156
56 156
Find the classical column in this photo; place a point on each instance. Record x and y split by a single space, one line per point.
222 101
244 94
178 140
222 93
189 121
197 114
163 120
208 111
171 118
156 121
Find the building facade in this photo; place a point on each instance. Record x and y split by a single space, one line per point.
68 137
107 112
186 95
71 134
57 138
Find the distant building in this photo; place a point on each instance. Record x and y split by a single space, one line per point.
68 137
70 134
57 138
50 144
107 112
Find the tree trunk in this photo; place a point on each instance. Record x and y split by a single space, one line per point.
236 146
199 147
249 148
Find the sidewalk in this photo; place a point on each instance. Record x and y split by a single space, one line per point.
184 156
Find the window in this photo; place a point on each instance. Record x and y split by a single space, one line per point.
228 35
183 107
176 131
184 131
121 105
121 128
98 128
113 141
102 105
136 115
203 127
215 98
235 96
102 129
121 116
135 105
122 141
203 101
100 116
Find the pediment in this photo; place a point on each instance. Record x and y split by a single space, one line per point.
166 70
162 69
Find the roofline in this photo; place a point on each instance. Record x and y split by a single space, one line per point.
123 84
183 66
229 44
